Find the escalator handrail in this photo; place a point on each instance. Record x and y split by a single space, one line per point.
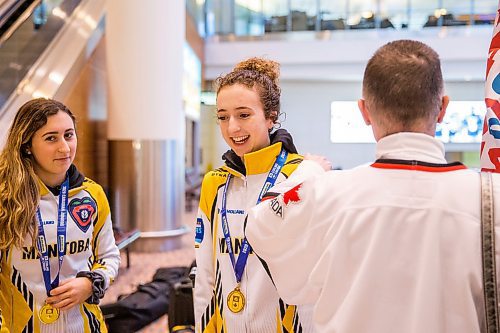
20 95
6 11
14 15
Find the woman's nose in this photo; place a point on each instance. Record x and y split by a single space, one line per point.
234 125
64 147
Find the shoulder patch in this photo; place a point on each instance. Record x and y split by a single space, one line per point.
199 231
279 203
82 211
292 195
276 206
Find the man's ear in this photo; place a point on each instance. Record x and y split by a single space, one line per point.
364 111
444 104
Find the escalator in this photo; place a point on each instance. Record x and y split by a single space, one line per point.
11 12
41 42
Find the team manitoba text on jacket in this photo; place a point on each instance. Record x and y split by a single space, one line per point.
264 311
90 246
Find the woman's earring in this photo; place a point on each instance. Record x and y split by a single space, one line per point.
280 119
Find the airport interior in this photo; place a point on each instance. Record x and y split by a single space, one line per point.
139 77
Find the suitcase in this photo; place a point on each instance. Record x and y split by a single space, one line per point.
181 310
149 302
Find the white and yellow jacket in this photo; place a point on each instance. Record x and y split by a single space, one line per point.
264 311
90 246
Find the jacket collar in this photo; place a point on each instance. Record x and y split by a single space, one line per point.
76 179
411 146
262 160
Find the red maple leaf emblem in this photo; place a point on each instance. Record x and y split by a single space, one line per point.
292 195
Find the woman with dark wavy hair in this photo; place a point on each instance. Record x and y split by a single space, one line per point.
57 250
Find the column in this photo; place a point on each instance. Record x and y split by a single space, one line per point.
146 123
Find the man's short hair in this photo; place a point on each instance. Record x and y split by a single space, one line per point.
403 83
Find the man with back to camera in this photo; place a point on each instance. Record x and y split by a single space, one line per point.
394 246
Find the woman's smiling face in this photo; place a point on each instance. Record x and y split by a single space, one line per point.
53 148
241 119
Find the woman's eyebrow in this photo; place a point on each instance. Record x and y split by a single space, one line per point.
49 133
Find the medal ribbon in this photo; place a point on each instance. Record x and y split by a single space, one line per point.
239 265
62 218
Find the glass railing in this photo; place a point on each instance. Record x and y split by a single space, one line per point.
22 47
258 17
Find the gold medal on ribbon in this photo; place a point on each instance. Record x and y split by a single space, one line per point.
48 314
236 300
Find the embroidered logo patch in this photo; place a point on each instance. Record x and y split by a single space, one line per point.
292 195
199 231
81 211
276 207
279 203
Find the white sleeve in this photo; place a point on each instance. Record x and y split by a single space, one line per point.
107 260
285 233
205 275
306 170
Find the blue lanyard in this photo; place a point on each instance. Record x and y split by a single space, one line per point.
239 265
62 218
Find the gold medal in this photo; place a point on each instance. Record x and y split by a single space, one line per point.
48 314
236 300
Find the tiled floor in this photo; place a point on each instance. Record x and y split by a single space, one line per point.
144 265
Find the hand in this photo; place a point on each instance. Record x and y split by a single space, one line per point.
71 292
321 160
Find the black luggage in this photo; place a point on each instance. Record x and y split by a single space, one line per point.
181 310
149 302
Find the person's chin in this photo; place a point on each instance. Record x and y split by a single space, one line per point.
241 151
236 147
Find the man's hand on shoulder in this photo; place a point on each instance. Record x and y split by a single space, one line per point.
321 160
